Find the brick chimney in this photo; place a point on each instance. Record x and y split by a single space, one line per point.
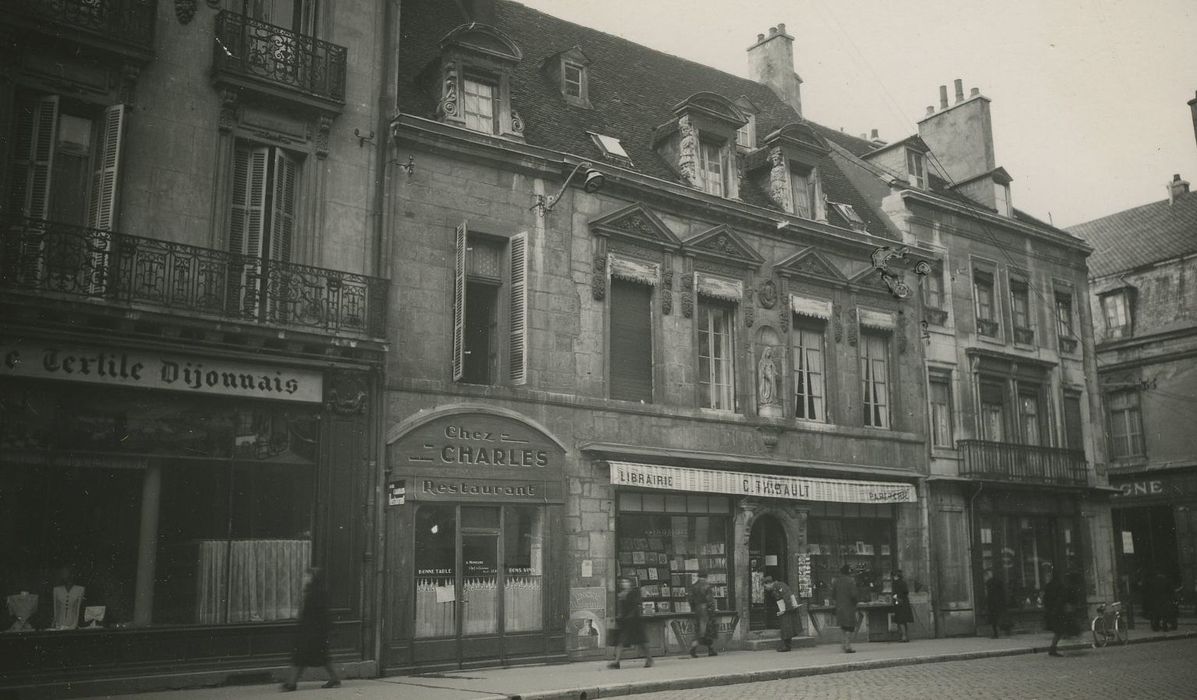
1177 187
771 62
960 135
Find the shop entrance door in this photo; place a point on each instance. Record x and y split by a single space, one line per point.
478 576
766 557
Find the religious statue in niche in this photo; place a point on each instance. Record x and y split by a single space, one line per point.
768 393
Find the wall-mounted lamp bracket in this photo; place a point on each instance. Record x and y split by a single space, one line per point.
363 138
593 182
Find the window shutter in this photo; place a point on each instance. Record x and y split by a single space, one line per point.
459 301
519 308
36 129
631 341
101 210
282 215
249 201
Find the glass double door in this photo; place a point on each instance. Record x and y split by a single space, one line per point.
479 573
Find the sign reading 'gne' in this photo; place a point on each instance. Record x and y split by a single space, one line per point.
795 488
152 370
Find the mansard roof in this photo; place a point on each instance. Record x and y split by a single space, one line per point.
1141 235
632 89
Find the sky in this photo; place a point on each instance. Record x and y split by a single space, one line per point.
1089 97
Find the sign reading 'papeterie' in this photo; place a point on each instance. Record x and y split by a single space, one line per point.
151 370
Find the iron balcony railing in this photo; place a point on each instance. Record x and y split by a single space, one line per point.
255 49
125 21
107 266
1028 464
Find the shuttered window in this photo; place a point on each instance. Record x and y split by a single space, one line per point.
631 341
940 397
488 271
1074 434
102 206
265 183
33 156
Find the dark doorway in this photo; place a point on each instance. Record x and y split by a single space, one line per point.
1146 542
767 556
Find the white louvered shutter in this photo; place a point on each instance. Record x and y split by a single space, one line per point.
282 215
459 301
247 219
519 309
101 209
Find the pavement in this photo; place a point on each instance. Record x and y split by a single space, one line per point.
586 680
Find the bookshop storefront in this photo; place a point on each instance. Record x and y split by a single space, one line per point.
474 534
740 527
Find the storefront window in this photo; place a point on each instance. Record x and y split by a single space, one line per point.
859 535
436 571
232 483
664 539
1022 549
523 591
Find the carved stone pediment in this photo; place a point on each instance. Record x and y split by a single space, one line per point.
722 243
638 224
809 263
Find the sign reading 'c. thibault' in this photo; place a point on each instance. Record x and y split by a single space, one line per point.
795 488
151 370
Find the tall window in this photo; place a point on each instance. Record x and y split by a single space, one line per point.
714 168
479 105
716 356
940 396
489 308
917 169
262 227
986 312
933 289
1116 312
874 374
1126 427
631 348
1064 315
1029 417
803 182
1020 306
993 411
64 161
809 391
1074 434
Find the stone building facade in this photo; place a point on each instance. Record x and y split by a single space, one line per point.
193 337
1142 297
641 333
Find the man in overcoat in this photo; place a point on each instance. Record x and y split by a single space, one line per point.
843 590
785 607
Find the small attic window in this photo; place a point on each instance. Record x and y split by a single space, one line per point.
746 135
611 147
848 212
571 78
916 168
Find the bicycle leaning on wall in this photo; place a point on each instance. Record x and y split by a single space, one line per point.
1108 625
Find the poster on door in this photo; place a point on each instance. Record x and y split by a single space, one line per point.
586 630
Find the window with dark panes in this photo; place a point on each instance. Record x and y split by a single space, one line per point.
933 288
716 354
1030 417
1126 427
940 397
1074 435
875 382
1064 314
490 308
630 344
1020 306
809 376
993 411
983 293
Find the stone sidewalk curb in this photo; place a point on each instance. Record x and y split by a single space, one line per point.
652 686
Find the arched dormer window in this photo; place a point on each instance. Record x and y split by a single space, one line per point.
701 143
476 64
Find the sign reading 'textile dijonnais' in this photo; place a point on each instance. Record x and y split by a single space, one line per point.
151 370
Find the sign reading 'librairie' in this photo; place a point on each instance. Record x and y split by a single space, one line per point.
796 488
149 370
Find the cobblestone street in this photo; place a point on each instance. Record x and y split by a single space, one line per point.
1137 671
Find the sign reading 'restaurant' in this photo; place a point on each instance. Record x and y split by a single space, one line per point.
796 488
150 370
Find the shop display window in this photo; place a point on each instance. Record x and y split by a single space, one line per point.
1021 549
233 484
859 535
665 539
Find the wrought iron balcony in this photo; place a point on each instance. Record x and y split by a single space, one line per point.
108 267
1024 464
278 62
123 26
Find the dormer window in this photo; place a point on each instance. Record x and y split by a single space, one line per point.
569 71
474 80
479 106
916 168
1001 198
803 180
746 135
787 169
713 164
571 80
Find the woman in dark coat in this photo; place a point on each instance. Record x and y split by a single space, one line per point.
311 637
1057 611
903 614
629 628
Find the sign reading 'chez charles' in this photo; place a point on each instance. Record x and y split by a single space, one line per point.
478 457
150 370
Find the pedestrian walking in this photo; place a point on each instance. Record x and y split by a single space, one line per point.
995 602
1058 610
702 604
843 590
903 614
785 607
629 628
311 637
